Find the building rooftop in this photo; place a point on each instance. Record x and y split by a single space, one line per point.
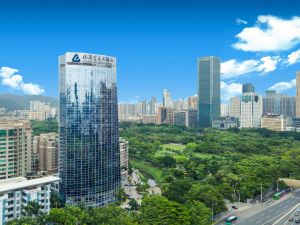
21 182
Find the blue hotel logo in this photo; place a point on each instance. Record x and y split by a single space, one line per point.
76 58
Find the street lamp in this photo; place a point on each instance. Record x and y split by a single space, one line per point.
212 211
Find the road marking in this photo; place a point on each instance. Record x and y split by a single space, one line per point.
295 207
277 217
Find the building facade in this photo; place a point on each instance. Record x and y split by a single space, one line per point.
224 123
298 94
235 107
148 119
275 122
248 88
124 148
16 193
167 101
15 148
251 110
45 147
192 118
180 118
193 102
161 115
208 90
224 110
278 104
89 162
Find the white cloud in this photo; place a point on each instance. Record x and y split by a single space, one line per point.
32 89
270 33
233 68
268 64
294 57
240 21
282 86
230 90
15 81
6 72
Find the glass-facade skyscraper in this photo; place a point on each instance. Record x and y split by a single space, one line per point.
248 88
89 163
208 90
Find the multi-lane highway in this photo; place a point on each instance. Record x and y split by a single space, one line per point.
274 213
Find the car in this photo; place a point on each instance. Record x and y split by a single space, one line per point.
291 219
234 207
298 210
297 214
297 221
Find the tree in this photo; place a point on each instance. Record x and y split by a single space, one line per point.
32 209
177 190
55 200
121 195
157 210
133 204
208 195
168 161
112 215
199 213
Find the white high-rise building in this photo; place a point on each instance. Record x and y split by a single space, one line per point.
167 101
235 107
224 110
251 110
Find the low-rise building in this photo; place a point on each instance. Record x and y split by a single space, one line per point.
148 119
16 193
275 122
225 123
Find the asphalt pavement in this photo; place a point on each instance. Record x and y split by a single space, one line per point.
273 213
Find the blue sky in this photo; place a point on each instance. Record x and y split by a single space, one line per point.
156 43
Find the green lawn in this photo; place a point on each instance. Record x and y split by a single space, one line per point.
147 170
205 155
175 147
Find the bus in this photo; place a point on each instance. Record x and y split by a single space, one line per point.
231 220
279 195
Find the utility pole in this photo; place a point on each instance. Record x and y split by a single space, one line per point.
291 178
234 194
261 193
277 188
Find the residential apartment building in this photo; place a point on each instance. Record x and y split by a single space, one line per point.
45 148
16 193
15 148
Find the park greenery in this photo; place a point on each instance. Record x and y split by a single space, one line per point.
196 169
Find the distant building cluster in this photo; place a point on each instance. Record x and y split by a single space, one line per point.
181 112
275 111
37 111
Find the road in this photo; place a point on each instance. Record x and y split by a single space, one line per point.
274 213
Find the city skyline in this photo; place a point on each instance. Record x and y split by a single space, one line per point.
135 32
